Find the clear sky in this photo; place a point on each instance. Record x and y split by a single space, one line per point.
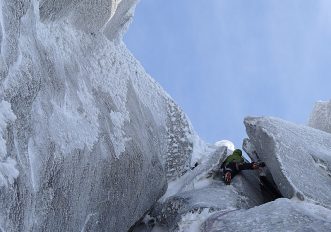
222 60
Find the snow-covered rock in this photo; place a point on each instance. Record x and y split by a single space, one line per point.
214 198
249 148
85 133
279 215
298 157
198 191
320 118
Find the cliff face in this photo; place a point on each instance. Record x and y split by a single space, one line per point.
86 136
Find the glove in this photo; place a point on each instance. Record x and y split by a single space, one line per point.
257 165
227 177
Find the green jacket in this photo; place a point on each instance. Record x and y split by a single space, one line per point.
235 157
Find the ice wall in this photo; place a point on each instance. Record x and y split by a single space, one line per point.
85 132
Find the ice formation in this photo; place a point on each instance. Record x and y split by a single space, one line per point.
84 131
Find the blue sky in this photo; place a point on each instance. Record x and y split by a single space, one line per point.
222 60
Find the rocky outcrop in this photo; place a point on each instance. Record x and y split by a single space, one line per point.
298 157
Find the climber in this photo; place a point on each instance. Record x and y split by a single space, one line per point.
234 163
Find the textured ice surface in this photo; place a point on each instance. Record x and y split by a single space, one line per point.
279 215
85 132
320 117
298 157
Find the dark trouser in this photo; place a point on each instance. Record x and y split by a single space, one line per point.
234 168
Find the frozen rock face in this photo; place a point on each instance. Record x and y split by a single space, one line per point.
84 131
320 118
279 215
298 157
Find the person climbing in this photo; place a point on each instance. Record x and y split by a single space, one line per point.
234 163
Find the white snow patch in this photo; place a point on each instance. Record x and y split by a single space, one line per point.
8 171
74 124
118 136
109 69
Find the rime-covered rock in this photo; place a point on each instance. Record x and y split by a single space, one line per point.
214 198
279 215
84 132
298 157
320 118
